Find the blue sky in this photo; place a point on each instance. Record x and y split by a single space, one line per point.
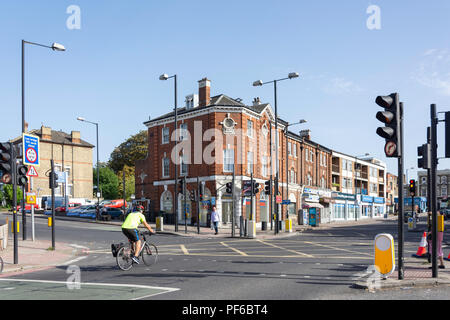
109 73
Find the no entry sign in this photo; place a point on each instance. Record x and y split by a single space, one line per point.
30 150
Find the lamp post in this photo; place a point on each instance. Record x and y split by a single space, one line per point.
356 177
259 83
165 77
287 160
55 47
98 168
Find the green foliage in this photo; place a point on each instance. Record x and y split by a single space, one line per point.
8 194
129 182
126 154
109 183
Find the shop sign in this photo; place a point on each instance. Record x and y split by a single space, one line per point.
310 191
344 196
367 199
311 198
378 200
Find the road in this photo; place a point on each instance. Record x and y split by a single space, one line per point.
317 264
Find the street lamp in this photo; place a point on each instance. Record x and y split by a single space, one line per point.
55 47
98 168
287 160
259 83
165 77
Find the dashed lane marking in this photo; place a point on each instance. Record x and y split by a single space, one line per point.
339 249
183 248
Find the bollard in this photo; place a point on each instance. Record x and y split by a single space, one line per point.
288 226
49 221
241 226
252 229
384 254
159 223
245 227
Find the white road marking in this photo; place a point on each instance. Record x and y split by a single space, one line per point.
73 261
183 248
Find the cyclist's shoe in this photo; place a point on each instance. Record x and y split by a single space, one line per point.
135 259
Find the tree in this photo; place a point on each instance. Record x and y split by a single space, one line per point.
109 183
126 154
8 194
129 182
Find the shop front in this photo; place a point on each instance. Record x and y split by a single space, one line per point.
366 207
345 206
310 205
378 207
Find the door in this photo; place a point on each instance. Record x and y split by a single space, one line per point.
227 211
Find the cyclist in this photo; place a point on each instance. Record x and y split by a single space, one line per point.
130 229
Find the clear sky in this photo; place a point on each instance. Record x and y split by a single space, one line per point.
109 73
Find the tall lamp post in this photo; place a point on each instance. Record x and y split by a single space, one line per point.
356 177
165 77
55 47
287 160
98 168
259 83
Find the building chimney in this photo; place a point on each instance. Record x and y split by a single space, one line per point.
76 137
256 101
46 133
26 126
306 134
204 92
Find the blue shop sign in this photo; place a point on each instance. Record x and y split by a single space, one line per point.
344 196
367 199
378 200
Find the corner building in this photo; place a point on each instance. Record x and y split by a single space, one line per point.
216 135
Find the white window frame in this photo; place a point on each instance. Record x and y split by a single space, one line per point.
183 132
249 128
250 162
165 137
228 154
164 173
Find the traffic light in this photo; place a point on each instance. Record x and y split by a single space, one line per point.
391 117
22 179
229 187
52 180
6 162
424 151
268 187
412 188
192 195
180 186
255 187
201 191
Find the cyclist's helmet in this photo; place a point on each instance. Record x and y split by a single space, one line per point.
140 208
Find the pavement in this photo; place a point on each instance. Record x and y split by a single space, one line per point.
37 255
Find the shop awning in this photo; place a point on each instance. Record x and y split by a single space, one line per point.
307 205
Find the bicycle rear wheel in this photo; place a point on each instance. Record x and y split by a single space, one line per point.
149 254
124 258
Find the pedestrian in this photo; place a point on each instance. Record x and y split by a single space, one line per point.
215 219
440 238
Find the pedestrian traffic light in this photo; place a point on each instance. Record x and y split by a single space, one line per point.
229 187
192 195
53 184
424 151
201 191
22 179
391 117
268 187
6 162
255 187
412 188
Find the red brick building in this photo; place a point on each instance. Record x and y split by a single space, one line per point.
216 134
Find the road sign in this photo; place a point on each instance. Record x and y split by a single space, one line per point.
32 172
390 148
31 198
286 202
279 199
30 150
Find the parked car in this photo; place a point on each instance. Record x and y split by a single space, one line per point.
89 212
75 212
113 203
71 206
446 213
112 213
27 207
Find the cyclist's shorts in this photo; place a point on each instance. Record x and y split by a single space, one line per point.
131 234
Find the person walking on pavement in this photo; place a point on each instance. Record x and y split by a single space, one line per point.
215 219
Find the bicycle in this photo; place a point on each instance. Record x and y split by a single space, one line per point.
148 253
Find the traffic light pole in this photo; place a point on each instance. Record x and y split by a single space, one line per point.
52 164
400 201
251 197
233 222
14 182
185 213
198 205
434 122
429 200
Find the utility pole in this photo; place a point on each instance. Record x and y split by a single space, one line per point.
401 237
198 205
434 122
14 179
233 222
185 213
52 173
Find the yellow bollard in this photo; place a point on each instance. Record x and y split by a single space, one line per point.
440 220
384 254
49 221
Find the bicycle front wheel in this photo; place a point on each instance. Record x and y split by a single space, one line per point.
149 254
124 258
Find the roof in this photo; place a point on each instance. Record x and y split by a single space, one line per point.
58 137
